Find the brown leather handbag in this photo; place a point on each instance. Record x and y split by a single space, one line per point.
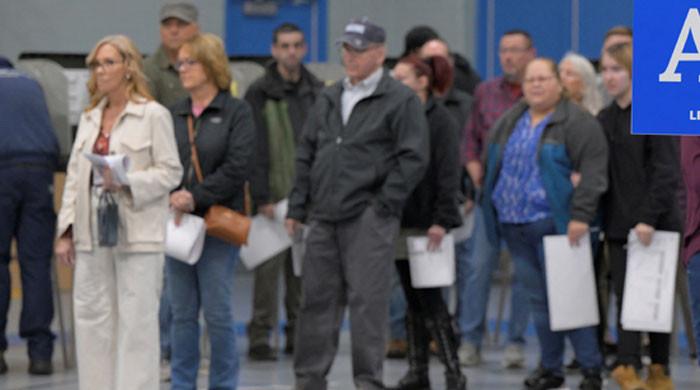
222 222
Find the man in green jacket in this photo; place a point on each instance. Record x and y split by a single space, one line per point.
280 100
178 23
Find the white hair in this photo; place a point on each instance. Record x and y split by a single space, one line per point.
592 99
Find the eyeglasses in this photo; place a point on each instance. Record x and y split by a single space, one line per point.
106 64
513 50
540 80
185 63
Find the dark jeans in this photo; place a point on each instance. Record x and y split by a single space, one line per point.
629 343
694 289
527 249
26 213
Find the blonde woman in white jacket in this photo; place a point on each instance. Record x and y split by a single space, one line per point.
116 289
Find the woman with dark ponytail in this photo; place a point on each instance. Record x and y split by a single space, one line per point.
432 209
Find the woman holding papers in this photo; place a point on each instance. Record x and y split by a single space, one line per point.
215 169
644 181
528 194
431 210
116 288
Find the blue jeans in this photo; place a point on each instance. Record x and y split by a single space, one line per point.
527 250
476 261
207 285
694 289
165 320
397 309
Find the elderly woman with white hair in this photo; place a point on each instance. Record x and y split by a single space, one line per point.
579 80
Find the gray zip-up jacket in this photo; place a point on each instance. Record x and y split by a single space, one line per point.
376 159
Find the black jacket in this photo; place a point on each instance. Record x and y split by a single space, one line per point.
435 199
225 138
377 158
299 98
459 104
644 177
466 79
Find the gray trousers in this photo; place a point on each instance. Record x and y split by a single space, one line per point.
347 263
265 294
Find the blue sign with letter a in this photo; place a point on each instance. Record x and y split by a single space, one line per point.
666 67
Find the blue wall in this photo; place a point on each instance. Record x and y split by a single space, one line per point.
252 35
550 23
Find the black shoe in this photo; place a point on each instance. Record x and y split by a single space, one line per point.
3 365
542 379
591 381
574 366
262 353
413 381
40 367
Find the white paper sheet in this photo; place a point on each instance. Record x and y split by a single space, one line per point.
185 242
299 249
267 238
650 283
571 288
118 163
431 268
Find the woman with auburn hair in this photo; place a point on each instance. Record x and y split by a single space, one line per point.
432 209
224 136
116 288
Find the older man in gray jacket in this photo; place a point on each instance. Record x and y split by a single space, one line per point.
363 150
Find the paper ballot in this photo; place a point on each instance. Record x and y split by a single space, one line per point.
267 237
650 283
186 241
571 288
118 163
431 268
299 249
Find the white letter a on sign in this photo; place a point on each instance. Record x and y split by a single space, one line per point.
690 26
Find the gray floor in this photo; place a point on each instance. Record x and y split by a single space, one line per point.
278 375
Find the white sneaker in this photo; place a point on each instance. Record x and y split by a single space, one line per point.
165 371
469 355
514 356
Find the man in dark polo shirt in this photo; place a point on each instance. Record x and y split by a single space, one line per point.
363 150
178 23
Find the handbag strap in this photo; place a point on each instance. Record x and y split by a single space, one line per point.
193 150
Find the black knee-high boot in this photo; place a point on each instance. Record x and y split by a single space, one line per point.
439 324
417 376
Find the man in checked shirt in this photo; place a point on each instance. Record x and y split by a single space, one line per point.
477 259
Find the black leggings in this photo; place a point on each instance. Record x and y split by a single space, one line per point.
424 302
629 343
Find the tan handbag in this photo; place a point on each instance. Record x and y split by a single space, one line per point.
222 222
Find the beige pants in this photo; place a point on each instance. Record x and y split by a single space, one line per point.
116 297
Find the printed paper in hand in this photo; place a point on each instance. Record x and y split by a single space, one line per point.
267 237
118 163
431 268
185 242
571 288
650 283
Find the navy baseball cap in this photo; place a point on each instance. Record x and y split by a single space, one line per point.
361 33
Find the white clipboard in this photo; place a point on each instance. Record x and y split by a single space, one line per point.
571 288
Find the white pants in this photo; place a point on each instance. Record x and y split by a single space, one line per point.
116 297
